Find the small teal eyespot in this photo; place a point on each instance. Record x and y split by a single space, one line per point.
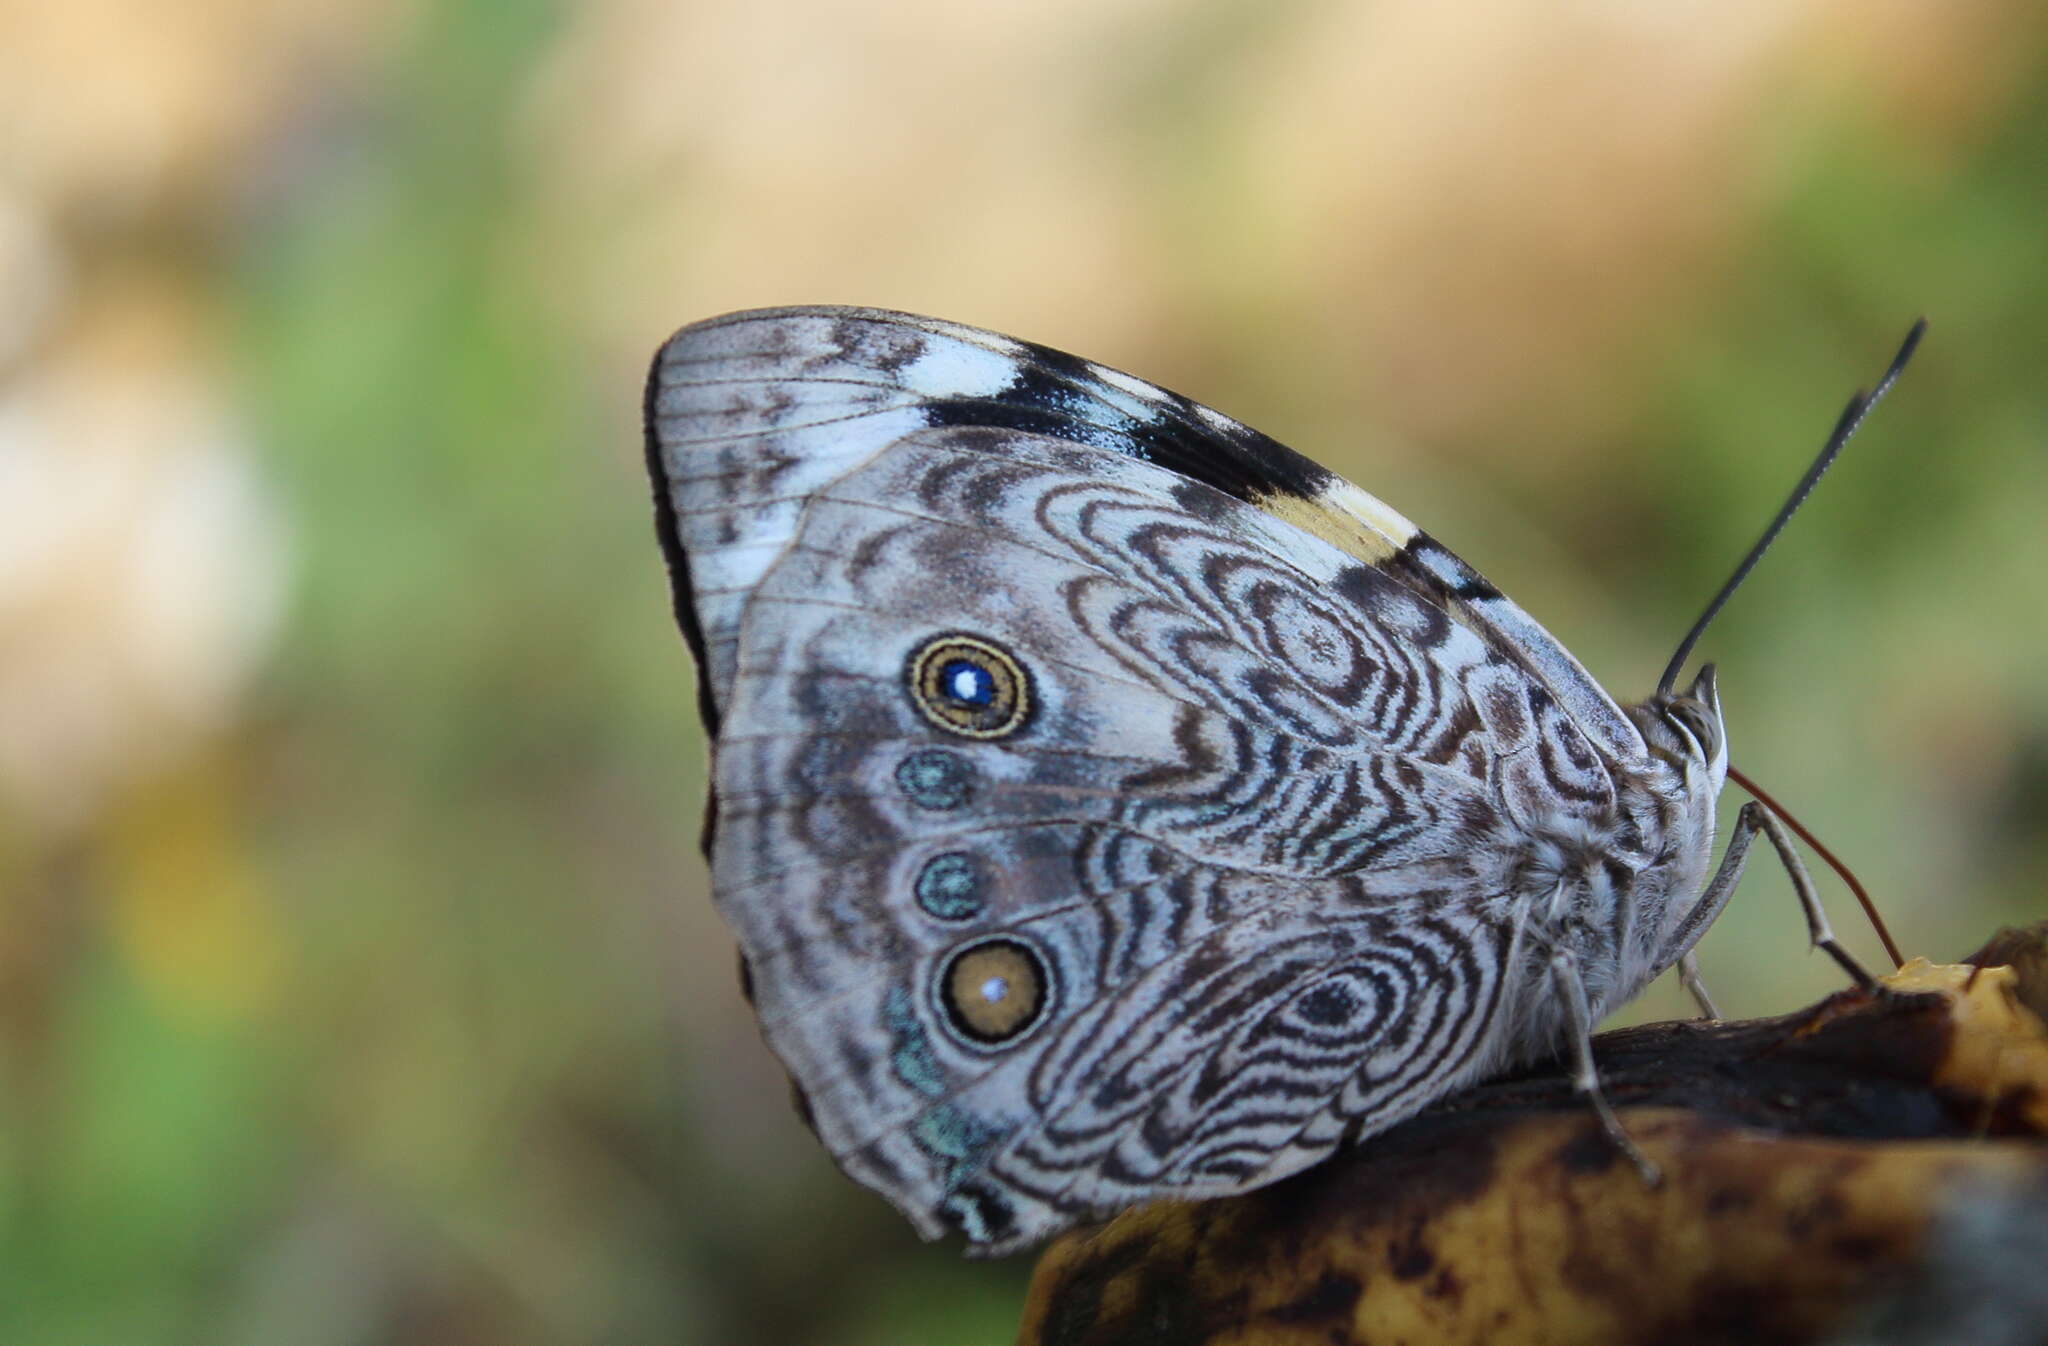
949 886
935 779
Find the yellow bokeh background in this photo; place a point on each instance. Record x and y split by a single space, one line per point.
358 978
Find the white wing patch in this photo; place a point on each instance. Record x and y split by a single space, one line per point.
961 370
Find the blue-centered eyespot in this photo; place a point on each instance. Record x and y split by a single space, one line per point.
970 686
994 990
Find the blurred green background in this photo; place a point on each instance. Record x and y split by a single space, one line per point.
358 981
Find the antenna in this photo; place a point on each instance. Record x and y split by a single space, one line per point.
1850 421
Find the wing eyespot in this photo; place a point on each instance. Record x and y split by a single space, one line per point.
935 779
994 991
950 887
969 686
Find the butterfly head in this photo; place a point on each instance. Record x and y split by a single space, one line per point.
1685 729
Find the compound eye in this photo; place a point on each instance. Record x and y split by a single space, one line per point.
969 686
1694 719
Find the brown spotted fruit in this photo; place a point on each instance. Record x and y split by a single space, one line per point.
1871 1163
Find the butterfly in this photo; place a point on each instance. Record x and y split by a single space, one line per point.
1112 804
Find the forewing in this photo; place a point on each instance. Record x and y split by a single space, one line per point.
748 412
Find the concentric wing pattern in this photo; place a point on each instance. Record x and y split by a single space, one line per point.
1110 803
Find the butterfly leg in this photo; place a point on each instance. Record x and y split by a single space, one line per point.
1755 818
1571 988
1689 978
1817 928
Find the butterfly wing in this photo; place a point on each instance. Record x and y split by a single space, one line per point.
1110 803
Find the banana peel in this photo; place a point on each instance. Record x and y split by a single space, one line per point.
1876 1161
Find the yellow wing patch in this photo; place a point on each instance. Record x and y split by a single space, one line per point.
1349 519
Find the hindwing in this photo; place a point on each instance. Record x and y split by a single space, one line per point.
1109 801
